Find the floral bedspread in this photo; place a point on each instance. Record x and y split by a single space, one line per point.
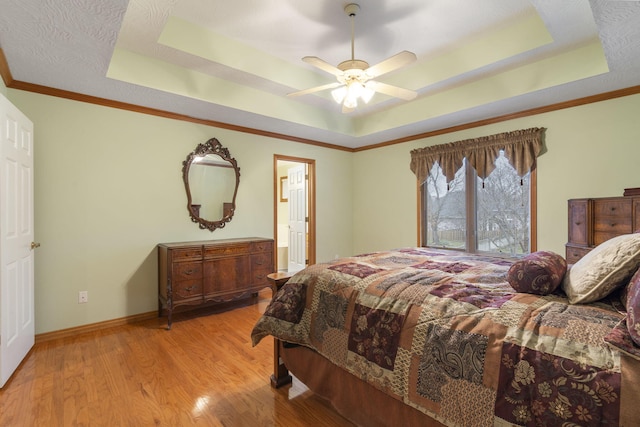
445 333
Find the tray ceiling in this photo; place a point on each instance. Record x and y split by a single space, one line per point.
234 62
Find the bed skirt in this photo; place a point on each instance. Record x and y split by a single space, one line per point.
351 397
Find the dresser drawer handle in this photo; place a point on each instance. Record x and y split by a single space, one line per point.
613 224
578 223
189 289
188 272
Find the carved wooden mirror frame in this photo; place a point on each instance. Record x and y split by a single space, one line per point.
212 146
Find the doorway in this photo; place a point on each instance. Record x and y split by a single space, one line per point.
290 249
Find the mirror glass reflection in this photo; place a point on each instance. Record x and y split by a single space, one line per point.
212 181
211 178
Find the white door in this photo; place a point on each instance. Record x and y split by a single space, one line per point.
17 329
297 218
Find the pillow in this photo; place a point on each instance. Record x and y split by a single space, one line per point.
603 269
537 273
619 339
633 307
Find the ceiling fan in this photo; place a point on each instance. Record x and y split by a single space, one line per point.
355 76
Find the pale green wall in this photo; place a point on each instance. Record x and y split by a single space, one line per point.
108 188
591 151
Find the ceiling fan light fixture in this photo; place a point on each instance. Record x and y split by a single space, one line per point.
354 75
350 102
367 92
354 90
339 94
348 95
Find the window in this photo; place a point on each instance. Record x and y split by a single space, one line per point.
490 215
479 195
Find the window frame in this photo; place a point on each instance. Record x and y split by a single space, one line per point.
471 235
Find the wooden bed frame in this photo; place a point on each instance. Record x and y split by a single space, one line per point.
364 404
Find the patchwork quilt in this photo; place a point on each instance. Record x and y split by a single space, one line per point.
444 332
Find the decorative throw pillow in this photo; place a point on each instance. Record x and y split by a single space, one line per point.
537 273
620 339
603 270
633 307
624 293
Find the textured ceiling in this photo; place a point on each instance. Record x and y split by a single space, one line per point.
234 62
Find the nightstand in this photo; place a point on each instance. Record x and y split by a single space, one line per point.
278 279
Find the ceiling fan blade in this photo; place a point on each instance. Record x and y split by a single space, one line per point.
315 89
323 65
395 91
393 63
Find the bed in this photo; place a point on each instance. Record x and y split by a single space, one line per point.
419 336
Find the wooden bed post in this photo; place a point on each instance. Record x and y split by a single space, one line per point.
280 374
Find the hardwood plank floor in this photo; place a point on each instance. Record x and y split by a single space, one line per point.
203 372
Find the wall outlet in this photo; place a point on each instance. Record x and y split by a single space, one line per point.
83 296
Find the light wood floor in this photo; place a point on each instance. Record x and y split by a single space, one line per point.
203 372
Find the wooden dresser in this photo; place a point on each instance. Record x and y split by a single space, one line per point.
196 273
592 221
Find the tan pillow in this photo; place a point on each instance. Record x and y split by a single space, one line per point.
602 270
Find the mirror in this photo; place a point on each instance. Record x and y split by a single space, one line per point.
211 178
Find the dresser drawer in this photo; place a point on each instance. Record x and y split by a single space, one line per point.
187 271
262 246
611 225
602 236
227 250
579 222
187 289
262 261
612 217
261 265
259 277
612 208
574 253
188 253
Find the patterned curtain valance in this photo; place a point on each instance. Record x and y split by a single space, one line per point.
521 147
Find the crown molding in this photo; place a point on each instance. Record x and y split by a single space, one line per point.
9 82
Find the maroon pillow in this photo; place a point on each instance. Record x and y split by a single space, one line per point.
537 273
633 307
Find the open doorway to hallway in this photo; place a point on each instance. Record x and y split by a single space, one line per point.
294 212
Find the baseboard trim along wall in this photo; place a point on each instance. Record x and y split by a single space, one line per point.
64 333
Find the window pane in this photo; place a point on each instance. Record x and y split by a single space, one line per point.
446 212
503 219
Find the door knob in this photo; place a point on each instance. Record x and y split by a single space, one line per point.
34 245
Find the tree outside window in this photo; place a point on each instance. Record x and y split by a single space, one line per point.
491 215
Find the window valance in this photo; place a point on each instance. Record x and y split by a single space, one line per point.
520 147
